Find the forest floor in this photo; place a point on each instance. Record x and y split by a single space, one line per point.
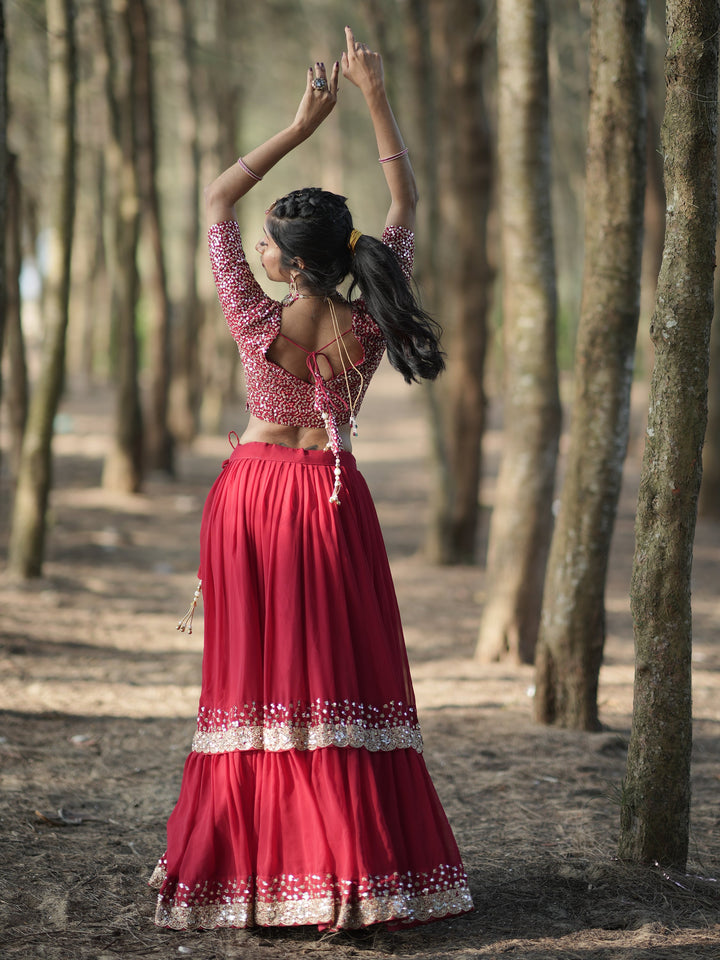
98 694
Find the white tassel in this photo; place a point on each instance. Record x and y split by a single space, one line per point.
334 498
186 622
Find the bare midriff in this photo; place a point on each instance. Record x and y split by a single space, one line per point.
305 438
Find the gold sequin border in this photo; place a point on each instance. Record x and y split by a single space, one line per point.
308 726
293 901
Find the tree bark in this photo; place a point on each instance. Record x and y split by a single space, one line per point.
186 386
221 90
655 807
521 523
123 469
423 139
323 35
572 632
654 230
160 443
464 192
16 389
91 286
28 526
422 136
4 161
709 504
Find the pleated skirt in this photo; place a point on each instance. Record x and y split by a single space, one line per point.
305 799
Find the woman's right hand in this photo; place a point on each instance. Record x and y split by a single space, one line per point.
361 65
316 105
233 183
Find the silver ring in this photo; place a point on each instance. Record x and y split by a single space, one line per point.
319 83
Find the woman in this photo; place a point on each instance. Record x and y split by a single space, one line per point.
306 799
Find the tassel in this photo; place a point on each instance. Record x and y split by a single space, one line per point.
186 622
334 498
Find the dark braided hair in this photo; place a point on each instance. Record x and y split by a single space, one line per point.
314 225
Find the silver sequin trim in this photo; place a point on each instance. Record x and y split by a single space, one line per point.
290 900
308 726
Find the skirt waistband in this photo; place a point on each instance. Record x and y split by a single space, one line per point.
257 450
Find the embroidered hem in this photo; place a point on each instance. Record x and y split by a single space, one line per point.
299 726
289 900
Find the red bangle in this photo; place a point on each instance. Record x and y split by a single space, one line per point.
395 156
248 171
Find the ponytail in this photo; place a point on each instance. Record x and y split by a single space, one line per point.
412 335
315 226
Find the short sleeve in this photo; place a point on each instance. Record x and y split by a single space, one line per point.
401 240
244 302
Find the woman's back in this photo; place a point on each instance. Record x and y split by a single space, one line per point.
307 329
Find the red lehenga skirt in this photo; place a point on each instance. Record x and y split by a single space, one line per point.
305 799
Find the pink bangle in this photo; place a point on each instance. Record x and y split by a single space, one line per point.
395 156
248 171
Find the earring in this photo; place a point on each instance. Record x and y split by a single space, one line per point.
294 292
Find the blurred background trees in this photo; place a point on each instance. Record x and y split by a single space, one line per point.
4 160
655 806
34 480
538 250
572 633
169 93
521 522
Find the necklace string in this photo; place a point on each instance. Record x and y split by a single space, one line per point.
343 351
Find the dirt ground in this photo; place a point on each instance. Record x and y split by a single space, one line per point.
98 694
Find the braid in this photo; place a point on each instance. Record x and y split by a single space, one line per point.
309 203
313 225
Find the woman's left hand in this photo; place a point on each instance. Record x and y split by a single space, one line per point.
319 98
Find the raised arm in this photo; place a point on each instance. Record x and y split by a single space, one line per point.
363 67
225 191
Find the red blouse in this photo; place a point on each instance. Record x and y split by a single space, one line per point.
273 393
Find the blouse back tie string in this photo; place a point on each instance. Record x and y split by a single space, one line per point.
328 402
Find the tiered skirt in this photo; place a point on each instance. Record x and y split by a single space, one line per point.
305 799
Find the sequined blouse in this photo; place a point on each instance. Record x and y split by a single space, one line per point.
273 393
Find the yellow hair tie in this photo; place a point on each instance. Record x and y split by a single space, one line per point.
354 237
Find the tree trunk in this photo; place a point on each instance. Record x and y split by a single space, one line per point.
4 161
123 468
322 33
464 190
522 517
423 137
655 807
572 633
159 442
709 505
654 217
91 286
16 390
27 534
221 90
186 385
